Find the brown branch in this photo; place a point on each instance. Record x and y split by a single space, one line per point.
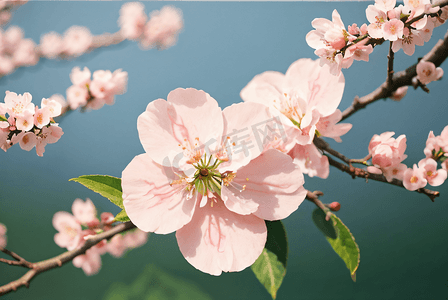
19 261
390 65
314 197
58 261
436 55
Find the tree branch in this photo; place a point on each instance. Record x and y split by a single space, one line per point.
19 261
437 55
314 197
58 261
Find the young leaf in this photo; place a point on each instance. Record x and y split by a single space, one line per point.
3 118
122 216
107 186
270 267
340 238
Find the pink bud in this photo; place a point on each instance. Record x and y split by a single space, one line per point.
335 206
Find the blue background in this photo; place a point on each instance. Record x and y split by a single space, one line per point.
402 235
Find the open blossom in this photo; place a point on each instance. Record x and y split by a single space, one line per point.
70 230
306 97
427 72
399 93
414 178
77 40
310 160
205 184
84 212
51 45
163 27
434 176
132 20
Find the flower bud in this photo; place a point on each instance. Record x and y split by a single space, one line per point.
335 206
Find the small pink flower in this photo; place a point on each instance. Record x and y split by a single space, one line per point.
433 176
90 262
54 107
16 105
11 38
51 45
327 33
408 41
163 27
77 96
25 54
69 235
41 117
377 19
427 72
25 121
48 135
132 20
84 212
117 246
6 65
394 172
77 40
80 78
120 81
310 160
328 127
135 238
393 30
387 151
414 178
27 140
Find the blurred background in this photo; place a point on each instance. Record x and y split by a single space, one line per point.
402 235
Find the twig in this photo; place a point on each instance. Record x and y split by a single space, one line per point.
57 261
357 172
314 197
437 55
390 65
323 145
19 261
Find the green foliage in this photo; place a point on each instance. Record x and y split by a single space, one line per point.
122 216
270 266
107 186
2 118
155 284
340 238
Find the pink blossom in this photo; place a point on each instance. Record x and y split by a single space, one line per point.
48 135
310 160
101 85
132 20
41 117
414 178
51 45
84 212
27 140
16 105
117 246
394 172
327 33
69 235
387 151
90 262
77 96
359 51
3 238
385 5
399 93
25 54
306 93
327 126
433 176
80 78
377 19
4 142
120 81
199 183
427 72
135 238
6 65
11 38
77 40
163 27
393 29
408 41
54 106
25 121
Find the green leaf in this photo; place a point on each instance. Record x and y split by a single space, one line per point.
122 216
340 238
3 118
107 186
270 266
155 284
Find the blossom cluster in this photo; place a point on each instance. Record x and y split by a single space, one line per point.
27 124
15 50
220 173
76 41
388 154
405 26
306 99
75 229
3 238
160 31
94 93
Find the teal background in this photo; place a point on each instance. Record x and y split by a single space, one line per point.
402 235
